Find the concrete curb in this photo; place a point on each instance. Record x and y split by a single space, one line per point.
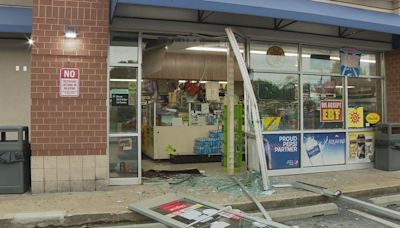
385 201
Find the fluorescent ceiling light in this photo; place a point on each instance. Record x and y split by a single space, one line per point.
368 61
182 81
210 49
349 87
122 80
264 53
222 82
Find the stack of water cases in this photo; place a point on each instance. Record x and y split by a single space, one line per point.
211 145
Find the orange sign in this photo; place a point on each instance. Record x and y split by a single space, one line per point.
331 111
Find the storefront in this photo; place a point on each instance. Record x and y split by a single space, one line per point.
313 107
322 75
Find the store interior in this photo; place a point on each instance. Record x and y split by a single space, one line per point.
183 95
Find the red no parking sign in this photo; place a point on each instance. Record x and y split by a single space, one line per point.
69 82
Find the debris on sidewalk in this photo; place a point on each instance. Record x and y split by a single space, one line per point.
183 211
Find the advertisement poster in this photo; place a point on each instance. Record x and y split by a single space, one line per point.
331 111
361 148
356 117
282 151
321 149
350 62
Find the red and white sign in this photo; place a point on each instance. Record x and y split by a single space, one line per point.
174 206
69 82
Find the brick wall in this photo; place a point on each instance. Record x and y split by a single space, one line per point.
392 60
68 126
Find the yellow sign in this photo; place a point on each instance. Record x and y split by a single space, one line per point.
361 147
271 123
373 118
356 117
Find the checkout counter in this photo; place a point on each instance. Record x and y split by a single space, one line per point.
177 126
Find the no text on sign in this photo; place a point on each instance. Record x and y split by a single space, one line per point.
69 82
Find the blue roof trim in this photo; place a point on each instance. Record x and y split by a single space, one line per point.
15 20
302 10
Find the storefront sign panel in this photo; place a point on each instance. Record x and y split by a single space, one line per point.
69 82
331 111
362 147
321 149
350 62
355 117
120 97
282 151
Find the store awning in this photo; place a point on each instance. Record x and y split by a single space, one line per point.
301 10
15 20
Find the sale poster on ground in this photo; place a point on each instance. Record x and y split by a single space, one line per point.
331 111
282 151
321 149
361 148
355 117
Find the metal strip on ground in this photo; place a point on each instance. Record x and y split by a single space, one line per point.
260 207
359 203
374 218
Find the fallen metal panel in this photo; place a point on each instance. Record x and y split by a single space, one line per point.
260 207
180 211
371 207
252 101
359 203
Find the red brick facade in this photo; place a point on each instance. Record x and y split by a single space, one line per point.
392 60
69 126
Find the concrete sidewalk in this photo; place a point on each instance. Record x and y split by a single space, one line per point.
111 206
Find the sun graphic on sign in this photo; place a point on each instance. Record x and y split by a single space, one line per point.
355 117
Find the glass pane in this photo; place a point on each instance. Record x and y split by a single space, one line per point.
123 157
273 56
123 100
328 89
364 93
123 48
320 60
278 100
370 64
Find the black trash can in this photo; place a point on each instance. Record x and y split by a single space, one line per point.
387 147
15 154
